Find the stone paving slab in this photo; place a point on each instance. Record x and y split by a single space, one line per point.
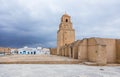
57 70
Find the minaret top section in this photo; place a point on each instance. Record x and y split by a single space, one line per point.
65 22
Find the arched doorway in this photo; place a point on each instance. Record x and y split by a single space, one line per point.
28 53
20 52
34 52
24 52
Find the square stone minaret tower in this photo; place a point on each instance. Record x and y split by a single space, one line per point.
65 34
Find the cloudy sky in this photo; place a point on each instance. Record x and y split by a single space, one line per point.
35 22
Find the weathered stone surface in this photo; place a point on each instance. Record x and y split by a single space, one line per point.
101 55
53 51
118 50
65 34
83 50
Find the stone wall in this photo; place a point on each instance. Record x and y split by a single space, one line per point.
83 51
70 50
92 50
63 51
101 55
53 51
5 50
66 51
75 49
98 50
110 50
118 50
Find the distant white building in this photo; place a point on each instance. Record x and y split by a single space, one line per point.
27 50
14 51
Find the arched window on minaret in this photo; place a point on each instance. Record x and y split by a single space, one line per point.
66 20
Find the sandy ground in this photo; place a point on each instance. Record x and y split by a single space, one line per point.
34 58
37 59
57 70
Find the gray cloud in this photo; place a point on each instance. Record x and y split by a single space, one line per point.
35 22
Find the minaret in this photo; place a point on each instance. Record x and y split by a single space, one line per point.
65 34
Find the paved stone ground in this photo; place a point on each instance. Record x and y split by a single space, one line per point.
57 70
